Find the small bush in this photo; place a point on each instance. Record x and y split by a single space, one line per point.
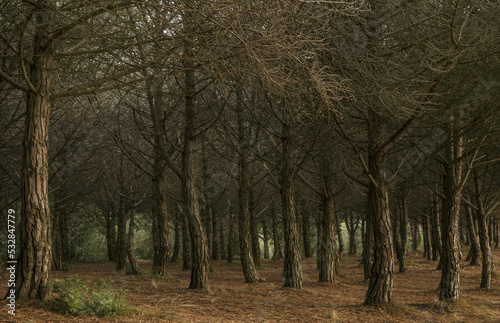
73 296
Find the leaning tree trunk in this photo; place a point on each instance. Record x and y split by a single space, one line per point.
292 268
35 253
382 270
327 253
247 261
452 194
488 265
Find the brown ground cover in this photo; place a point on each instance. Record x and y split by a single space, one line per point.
229 299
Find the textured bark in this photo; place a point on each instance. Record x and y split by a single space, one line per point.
186 243
199 244
367 254
352 227
35 253
327 253
415 235
382 270
222 246
452 193
230 247
488 264
475 248
292 268
427 237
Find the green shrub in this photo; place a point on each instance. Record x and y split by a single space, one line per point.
73 296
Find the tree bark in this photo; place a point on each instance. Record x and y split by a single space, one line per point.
276 239
110 234
122 235
403 234
382 270
436 230
292 268
134 268
488 265
452 193
265 232
327 253
254 231
475 248
306 234
340 237
177 239
215 237
35 253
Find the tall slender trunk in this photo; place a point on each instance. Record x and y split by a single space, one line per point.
230 247
475 248
247 261
340 237
186 243
122 235
488 265
35 253
351 229
292 268
215 237
276 239
306 234
110 234
177 238
199 244
254 230
436 230
265 232
222 246
403 233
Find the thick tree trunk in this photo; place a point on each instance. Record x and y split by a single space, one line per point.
35 253
382 270
475 248
292 268
488 265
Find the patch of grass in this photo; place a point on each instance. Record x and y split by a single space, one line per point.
73 296
260 267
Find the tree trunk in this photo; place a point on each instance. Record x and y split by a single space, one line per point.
474 250
186 243
436 230
134 268
306 234
230 248
177 238
222 246
427 237
338 227
265 232
199 244
488 265
110 234
35 253
292 268
215 237
382 270
247 261
254 231
122 236
327 252
452 193
351 229
276 239
403 234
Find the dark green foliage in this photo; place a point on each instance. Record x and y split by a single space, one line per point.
73 296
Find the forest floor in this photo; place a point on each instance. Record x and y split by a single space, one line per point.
229 299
